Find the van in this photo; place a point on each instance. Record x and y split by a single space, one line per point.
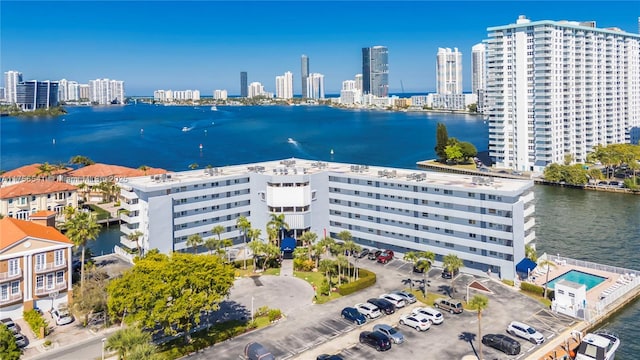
451 305
503 343
255 351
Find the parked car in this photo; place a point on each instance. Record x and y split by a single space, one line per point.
446 274
21 340
432 314
256 351
393 334
396 300
503 343
362 253
417 268
329 357
61 316
385 256
376 340
353 315
10 325
385 306
373 254
453 306
369 310
525 331
416 321
408 297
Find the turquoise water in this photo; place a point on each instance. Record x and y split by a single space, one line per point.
579 277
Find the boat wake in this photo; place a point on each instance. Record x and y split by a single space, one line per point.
291 141
185 129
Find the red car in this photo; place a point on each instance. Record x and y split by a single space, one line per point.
385 257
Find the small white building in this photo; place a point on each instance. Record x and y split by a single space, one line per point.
570 299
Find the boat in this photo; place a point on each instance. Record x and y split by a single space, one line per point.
185 129
214 108
291 141
598 346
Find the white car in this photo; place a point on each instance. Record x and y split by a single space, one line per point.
432 314
369 310
417 321
61 316
409 298
525 331
395 299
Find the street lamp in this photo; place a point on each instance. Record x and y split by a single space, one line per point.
252 308
103 341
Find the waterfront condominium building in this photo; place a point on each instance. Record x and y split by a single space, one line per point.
315 86
448 71
478 73
33 94
244 87
557 88
220 95
375 71
106 91
304 73
486 222
255 89
68 90
11 80
284 86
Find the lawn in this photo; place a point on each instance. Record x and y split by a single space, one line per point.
101 214
315 279
251 271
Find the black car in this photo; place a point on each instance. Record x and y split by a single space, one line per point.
385 306
256 351
373 255
362 253
352 314
417 268
329 357
446 274
503 343
376 340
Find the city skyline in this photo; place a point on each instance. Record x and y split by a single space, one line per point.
153 45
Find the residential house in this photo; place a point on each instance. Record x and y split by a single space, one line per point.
25 198
33 172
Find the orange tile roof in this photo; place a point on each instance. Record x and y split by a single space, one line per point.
106 170
34 188
42 213
31 171
13 230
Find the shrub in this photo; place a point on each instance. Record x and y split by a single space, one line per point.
536 290
303 264
325 289
239 264
36 321
367 278
274 314
508 282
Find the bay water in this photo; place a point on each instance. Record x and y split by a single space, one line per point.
587 225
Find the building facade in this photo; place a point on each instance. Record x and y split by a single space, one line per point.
315 86
484 221
244 85
35 265
11 80
220 95
176 95
449 71
375 71
478 73
304 73
106 91
32 95
23 199
557 88
284 86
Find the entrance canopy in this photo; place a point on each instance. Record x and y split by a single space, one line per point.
288 244
524 267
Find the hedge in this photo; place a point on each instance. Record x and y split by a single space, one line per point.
537 290
36 322
366 279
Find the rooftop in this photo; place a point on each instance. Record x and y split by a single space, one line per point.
107 170
13 230
34 188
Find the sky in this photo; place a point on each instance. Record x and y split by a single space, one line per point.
204 45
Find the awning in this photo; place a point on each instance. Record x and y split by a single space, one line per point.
288 244
524 267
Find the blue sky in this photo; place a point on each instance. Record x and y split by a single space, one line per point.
205 45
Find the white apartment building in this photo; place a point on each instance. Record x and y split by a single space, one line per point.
350 94
68 90
11 80
449 71
220 95
284 86
484 221
478 69
256 89
559 87
84 91
315 86
176 95
106 91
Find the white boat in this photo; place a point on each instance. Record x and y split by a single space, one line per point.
214 108
291 141
185 129
598 346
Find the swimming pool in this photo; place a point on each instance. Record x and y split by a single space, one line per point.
576 276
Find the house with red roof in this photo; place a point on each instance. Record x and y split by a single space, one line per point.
35 265
33 172
23 199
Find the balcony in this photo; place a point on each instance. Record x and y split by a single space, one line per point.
11 299
7 276
54 288
39 269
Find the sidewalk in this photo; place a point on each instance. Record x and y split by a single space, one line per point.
64 337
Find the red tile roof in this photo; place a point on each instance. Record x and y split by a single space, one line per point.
31 171
106 170
41 214
13 230
34 188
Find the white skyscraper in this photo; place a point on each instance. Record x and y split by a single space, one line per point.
478 74
284 86
11 80
105 91
256 89
220 95
315 86
449 71
557 88
358 79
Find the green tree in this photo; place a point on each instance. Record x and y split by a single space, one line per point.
453 153
135 236
244 225
530 252
125 340
479 303
212 244
278 222
553 173
452 263
270 252
472 108
227 243
145 351
193 166
326 266
308 239
45 169
9 350
351 247
442 139
341 261
170 290
144 168
423 263
94 296
81 160
81 227
468 150
194 240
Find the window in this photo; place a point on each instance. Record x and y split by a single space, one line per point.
472 222
15 287
60 277
39 282
4 292
41 261
59 257
14 267
50 281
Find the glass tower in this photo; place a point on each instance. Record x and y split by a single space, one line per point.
244 89
375 71
304 74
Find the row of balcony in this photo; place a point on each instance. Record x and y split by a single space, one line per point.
52 288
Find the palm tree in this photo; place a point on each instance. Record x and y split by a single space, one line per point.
411 257
193 166
146 351
308 239
83 187
530 251
194 241
351 247
124 340
326 243
81 160
45 169
326 266
218 230
277 222
227 243
144 168
135 236
341 261
212 244
423 263
270 252
452 264
244 224
548 264
82 227
257 248
479 303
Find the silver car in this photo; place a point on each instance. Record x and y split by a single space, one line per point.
393 334
408 297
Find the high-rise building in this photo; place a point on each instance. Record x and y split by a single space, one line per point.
315 86
557 88
11 80
220 95
358 79
68 90
375 71
32 95
478 74
84 92
449 71
255 89
106 91
284 86
244 89
304 74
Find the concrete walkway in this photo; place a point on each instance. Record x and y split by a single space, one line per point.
286 268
